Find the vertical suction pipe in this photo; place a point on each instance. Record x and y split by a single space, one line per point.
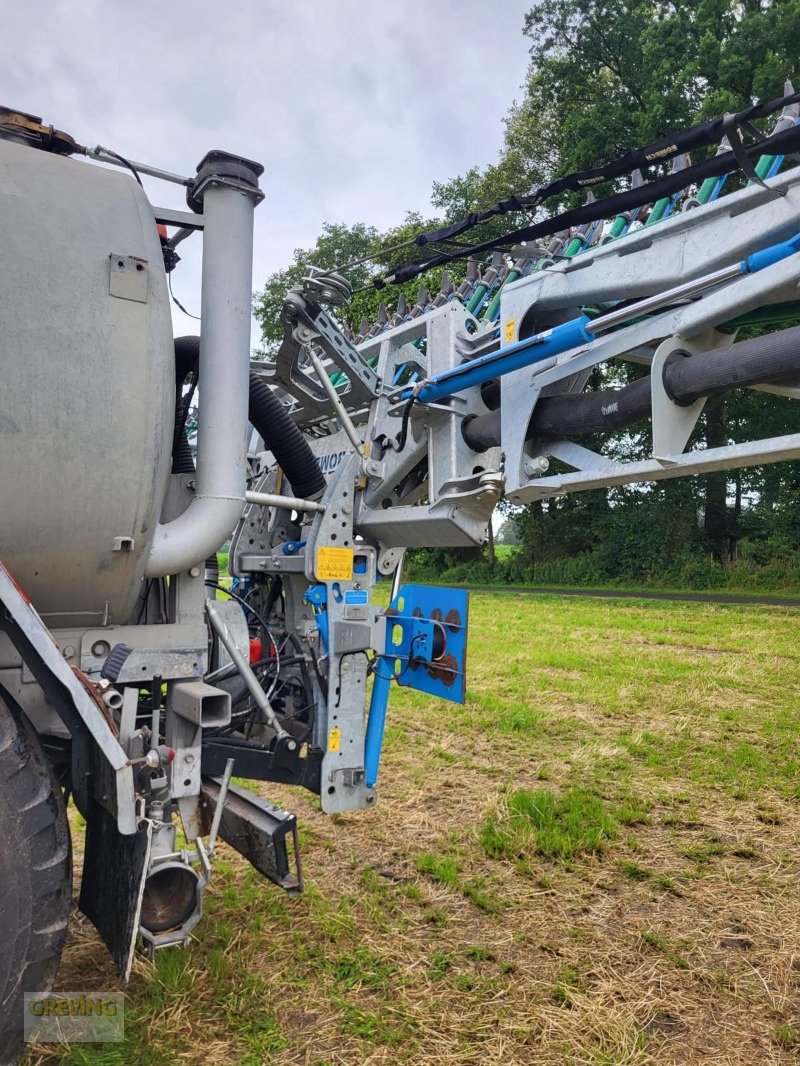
226 188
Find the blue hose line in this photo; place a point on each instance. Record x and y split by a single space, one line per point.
718 187
768 256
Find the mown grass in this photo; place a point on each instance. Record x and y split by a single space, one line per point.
592 860
543 823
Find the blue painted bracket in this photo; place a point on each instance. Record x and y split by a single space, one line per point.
426 640
426 649
317 597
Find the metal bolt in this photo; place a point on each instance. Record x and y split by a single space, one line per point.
539 464
68 651
188 758
194 572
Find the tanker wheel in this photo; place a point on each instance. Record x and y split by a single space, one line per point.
35 873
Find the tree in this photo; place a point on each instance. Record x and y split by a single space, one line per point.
608 74
338 246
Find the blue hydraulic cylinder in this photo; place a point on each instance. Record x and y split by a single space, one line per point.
376 722
774 254
571 334
512 357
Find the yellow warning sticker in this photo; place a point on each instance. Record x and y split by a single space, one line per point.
510 329
334 740
334 564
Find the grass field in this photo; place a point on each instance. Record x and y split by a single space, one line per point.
594 860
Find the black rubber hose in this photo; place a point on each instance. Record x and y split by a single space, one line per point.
187 357
212 569
569 415
182 458
759 361
282 437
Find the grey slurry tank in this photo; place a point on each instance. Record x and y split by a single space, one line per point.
87 396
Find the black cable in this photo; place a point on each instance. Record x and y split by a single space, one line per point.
226 672
176 301
291 636
145 597
125 163
403 437
275 590
323 684
240 600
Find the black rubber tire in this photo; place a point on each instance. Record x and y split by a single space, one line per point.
35 873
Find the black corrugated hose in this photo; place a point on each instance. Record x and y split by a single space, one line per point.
268 416
273 422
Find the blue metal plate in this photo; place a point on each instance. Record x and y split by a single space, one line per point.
426 636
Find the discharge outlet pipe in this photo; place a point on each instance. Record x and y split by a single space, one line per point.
226 189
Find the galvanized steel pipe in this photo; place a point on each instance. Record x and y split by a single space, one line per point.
225 376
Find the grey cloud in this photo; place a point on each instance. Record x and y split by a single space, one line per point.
354 106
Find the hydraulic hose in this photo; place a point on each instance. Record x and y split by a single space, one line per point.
290 448
759 361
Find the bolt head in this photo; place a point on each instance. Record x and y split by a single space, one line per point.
540 464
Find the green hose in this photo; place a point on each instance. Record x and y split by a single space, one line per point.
617 227
657 211
494 306
573 247
476 298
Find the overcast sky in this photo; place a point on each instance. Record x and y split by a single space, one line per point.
355 107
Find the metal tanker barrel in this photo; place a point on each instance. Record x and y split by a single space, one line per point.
87 393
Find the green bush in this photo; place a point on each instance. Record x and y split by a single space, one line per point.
755 571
